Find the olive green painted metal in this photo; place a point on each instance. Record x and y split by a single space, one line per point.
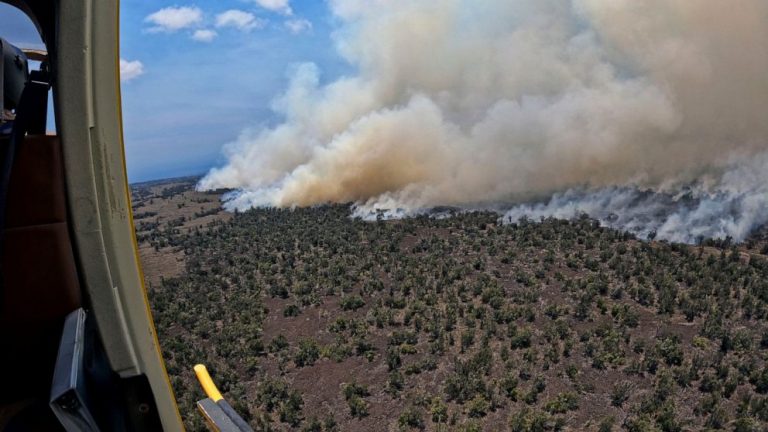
87 92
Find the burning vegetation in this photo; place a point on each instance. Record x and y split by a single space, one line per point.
578 105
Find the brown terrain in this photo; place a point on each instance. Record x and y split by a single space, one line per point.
313 321
164 202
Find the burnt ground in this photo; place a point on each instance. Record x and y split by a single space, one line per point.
310 320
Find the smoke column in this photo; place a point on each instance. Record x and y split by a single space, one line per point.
650 116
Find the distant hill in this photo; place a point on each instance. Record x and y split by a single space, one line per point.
150 183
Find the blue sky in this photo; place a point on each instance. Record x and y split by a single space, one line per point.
198 73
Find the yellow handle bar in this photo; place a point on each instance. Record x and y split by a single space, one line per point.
207 383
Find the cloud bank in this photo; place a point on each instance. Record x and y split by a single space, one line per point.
280 6
241 20
469 103
173 19
204 35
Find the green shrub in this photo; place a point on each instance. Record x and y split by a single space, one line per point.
395 382
394 361
520 339
438 411
354 389
358 408
278 344
291 311
670 350
562 403
478 407
411 418
290 409
351 303
620 393
308 353
606 424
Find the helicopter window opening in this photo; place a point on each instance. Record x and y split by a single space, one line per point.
19 30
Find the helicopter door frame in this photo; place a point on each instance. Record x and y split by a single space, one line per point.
89 121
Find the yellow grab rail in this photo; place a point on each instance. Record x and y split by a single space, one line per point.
207 383
219 414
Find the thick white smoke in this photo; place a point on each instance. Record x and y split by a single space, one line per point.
732 206
460 102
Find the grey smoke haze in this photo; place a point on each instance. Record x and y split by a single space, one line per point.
460 102
732 207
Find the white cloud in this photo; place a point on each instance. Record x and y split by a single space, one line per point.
297 26
281 6
130 69
238 19
174 18
204 35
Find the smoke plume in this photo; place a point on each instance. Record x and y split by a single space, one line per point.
648 115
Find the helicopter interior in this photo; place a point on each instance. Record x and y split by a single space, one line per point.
56 372
39 285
